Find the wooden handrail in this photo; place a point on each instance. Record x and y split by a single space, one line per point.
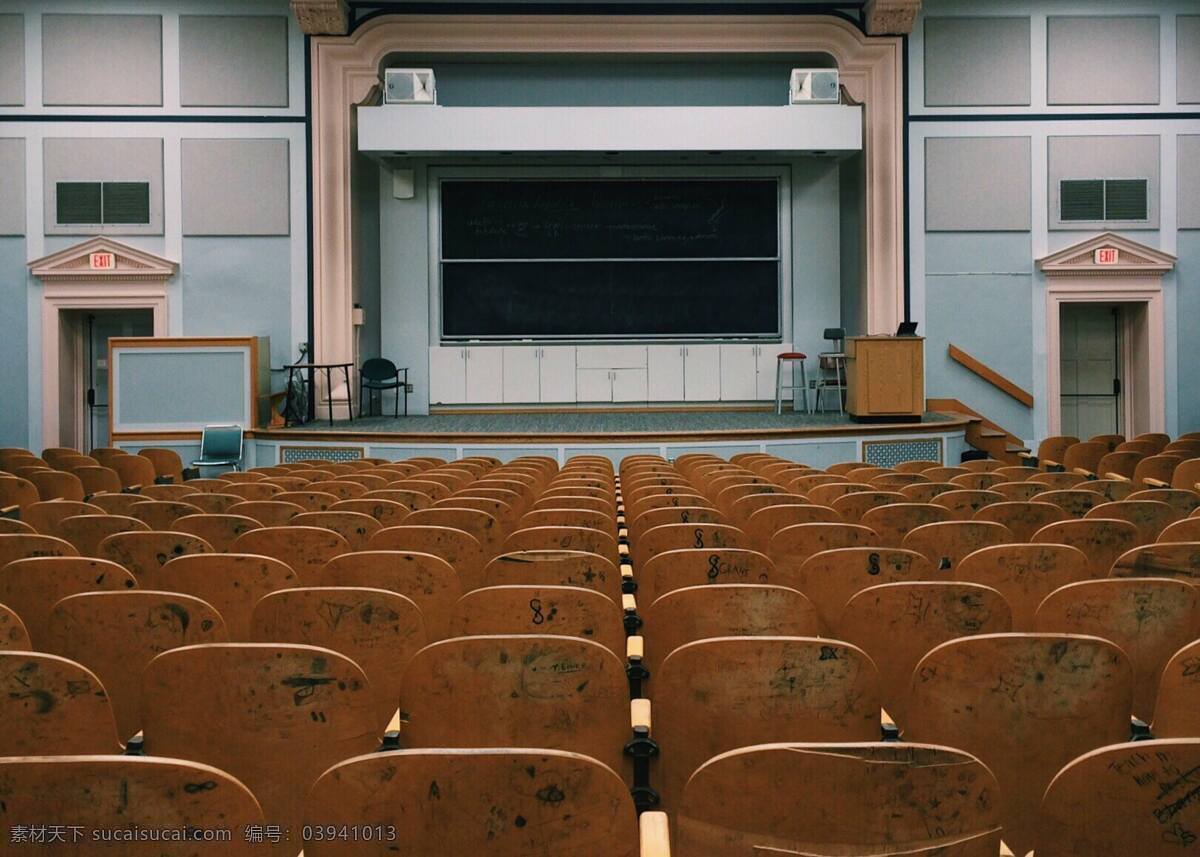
991 376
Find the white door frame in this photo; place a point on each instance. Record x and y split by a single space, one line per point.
1143 399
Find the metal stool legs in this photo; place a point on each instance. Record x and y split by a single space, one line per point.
780 386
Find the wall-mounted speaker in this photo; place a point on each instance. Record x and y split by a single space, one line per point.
409 86
815 86
403 186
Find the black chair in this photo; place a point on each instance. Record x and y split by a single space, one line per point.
381 374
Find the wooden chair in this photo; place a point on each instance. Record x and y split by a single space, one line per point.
947 543
832 578
12 526
791 546
561 693
1084 457
1102 540
896 481
1187 530
49 704
437 490
869 798
247 476
804 484
571 611
86 532
1118 465
427 580
143 554
310 499
460 549
1111 490
1023 519
1142 447
355 527
480 525
676 569
98 480
477 809
561 538
116 504
724 610
115 634
161 514
1187 475
130 793
1177 705
565 517
57 485
232 583
275 716
294 482
712 696
13 634
982 465
134 471
209 486
166 462
977 481
554 568
32 587
895 520
964 503
340 489
269 513
674 515
254 490
1150 517
305 549
387 512
15 546
68 463
173 492
1149 618
898 623
1184 503
1180 560
44 516
1019 491
1155 471
1058 481
852 507
378 629
1076 503
766 522
1035 702
943 474
15 491
556 501
220 531
824 495
1025 574
1123 799
841 468
917 465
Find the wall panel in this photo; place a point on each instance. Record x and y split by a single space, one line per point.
975 184
103 159
976 61
12 186
1102 60
12 59
235 187
233 61
102 60
1104 157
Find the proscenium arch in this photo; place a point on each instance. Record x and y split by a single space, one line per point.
346 68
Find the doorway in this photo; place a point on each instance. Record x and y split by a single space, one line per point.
1092 369
83 369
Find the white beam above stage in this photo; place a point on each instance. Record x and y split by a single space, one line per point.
436 130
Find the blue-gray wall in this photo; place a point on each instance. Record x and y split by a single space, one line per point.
1187 304
14 344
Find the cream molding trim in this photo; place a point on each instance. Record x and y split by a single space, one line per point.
129 264
345 70
891 17
1133 259
322 17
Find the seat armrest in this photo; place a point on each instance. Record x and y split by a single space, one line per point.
641 748
1139 730
132 489
628 584
631 618
655 835
136 746
1028 458
1052 466
1117 477
887 726
391 737
13 511
1157 483
635 669
1082 472
640 715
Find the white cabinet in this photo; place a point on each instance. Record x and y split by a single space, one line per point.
593 385
739 370
485 374
630 385
767 360
520 374
447 376
701 373
557 373
612 385
665 373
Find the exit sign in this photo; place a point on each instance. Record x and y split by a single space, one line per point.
1108 256
102 261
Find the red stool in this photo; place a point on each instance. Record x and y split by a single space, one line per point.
780 386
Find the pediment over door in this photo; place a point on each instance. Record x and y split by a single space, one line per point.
1107 254
103 259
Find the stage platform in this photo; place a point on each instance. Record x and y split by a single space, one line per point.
816 439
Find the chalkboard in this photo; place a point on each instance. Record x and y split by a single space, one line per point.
617 259
610 219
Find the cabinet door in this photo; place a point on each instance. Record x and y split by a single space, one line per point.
558 373
594 385
520 374
611 356
630 385
665 373
447 376
739 369
485 374
702 373
766 370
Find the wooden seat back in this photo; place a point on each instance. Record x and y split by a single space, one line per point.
862 799
231 582
1179 560
567 517
561 538
1058 480
97 480
15 546
1160 468
1074 501
898 623
947 543
32 587
269 513
472 789
1023 518
133 470
310 499
161 514
143 554
460 549
1025 574
1035 702
763 524
56 485
856 504
51 704
1111 490
651 518
378 629
724 610
832 578
1187 474
220 531
115 634
1177 705
1149 618
1123 799
1187 530
13 634
166 462
676 569
563 693
964 503
1150 517
1020 491
479 524
427 580
275 716
712 696
1184 503
211 503
1084 455
355 527
1102 540
388 513
1119 464
895 520
167 492
977 481
554 568
256 490
791 546
305 549
571 611
86 532
130 793
45 516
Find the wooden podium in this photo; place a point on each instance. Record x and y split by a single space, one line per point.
885 378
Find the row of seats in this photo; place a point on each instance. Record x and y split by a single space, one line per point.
749 627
